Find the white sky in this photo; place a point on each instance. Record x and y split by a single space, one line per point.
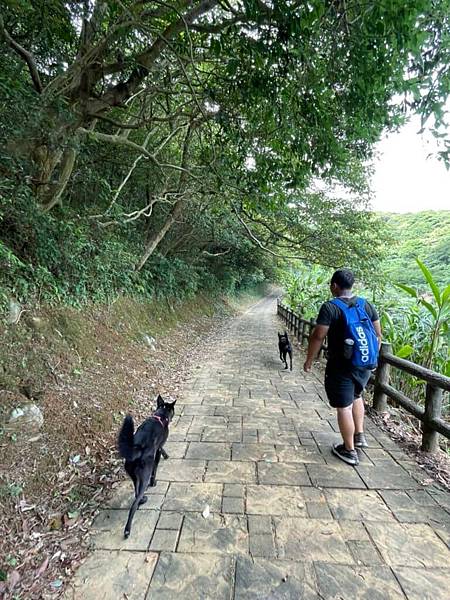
405 180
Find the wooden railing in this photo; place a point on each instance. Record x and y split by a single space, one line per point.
430 414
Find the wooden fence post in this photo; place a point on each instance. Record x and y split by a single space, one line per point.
305 331
433 406
381 376
301 331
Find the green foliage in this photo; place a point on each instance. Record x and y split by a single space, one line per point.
417 326
433 347
425 235
73 261
306 289
199 154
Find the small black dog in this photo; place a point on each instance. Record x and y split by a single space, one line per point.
142 451
284 346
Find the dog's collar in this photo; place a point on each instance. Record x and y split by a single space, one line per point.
161 421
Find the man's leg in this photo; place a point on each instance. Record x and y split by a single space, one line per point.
346 426
358 414
340 390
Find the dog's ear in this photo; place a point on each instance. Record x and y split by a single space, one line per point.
159 401
285 333
279 334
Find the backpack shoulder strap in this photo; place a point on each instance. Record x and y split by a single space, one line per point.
340 303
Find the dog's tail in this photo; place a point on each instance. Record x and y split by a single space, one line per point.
125 440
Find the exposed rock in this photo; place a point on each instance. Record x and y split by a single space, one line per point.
36 323
149 341
15 310
26 419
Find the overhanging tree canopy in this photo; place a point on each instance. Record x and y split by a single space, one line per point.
190 93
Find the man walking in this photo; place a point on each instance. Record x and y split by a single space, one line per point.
354 338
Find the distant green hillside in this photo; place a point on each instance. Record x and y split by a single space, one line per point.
425 235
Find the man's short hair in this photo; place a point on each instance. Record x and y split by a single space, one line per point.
344 278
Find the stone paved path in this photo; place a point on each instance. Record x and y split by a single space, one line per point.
287 519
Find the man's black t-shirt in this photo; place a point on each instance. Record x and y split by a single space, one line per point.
331 316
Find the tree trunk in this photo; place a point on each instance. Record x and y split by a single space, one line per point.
55 190
46 161
157 237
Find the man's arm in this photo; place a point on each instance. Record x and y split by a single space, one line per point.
377 327
315 343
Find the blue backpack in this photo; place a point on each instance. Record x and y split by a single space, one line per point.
360 329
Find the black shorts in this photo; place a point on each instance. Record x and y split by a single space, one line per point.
343 387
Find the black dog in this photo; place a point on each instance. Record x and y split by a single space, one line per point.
284 346
142 451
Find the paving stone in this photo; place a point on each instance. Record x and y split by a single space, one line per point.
378 477
282 473
299 454
170 520
259 524
213 434
105 575
262 545
200 409
308 442
409 545
318 510
109 525
275 500
357 505
413 513
254 452
188 470
442 497
337 476
186 576
230 472
235 490
353 531
208 451
312 494
365 553
193 497
422 498
443 532
164 539
124 495
424 584
217 534
232 505
342 581
311 540
175 449
379 456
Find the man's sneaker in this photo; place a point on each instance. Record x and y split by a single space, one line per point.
348 456
360 440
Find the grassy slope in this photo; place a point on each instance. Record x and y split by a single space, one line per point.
425 235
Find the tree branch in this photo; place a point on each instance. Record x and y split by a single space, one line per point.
216 253
260 245
25 55
117 94
123 141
